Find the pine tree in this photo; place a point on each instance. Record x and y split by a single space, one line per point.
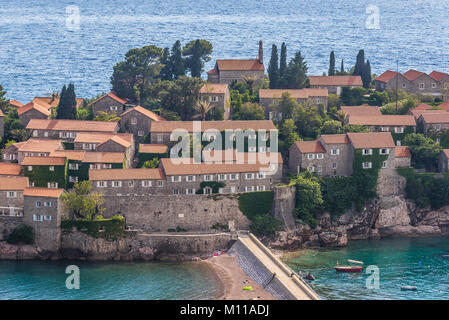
273 68
177 62
166 71
331 71
296 75
195 63
282 66
359 64
4 104
366 78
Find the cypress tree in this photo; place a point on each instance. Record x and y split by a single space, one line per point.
61 109
71 101
67 103
342 68
331 71
177 62
166 71
282 66
359 64
366 78
195 64
273 68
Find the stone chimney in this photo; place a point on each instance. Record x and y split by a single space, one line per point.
260 52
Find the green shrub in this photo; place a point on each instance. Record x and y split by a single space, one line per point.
253 204
265 225
21 234
109 229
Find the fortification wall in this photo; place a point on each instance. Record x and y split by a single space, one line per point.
284 206
7 225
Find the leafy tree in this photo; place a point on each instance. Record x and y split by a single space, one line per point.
359 67
342 68
176 61
139 70
80 203
352 96
332 127
197 52
14 129
153 163
273 68
287 105
283 66
287 135
21 234
4 104
378 98
296 75
166 71
424 150
265 225
203 108
108 117
249 111
331 71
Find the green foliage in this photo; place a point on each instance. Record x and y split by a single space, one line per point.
424 150
154 163
338 194
249 111
353 96
81 204
253 204
214 185
109 229
265 225
287 135
296 73
67 103
273 68
108 117
331 71
197 52
283 66
22 234
4 104
41 175
220 226
362 69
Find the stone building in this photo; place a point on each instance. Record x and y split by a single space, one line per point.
107 142
46 172
219 97
433 122
336 156
110 103
2 124
229 70
151 151
43 212
335 83
270 98
360 111
403 157
10 169
32 147
11 195
32 110
412 81
416 113
138 121
443 160
67 130
398 125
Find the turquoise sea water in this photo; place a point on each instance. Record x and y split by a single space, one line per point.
38 53
400 261
108 281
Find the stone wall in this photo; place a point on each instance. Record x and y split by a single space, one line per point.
284 206
7 225
190 212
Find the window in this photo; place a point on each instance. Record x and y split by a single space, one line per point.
221 177
384 151
384 164
310 156
47 218
176 179
160 183
207 190
320 156
73 179
434 85
319 169
421 86
260 188
311 169
51 168
367 165
334 165
113 108
233 189
116 184
367 152
335 152
130 184
35 133
175 191
399 129
133 120
213 98
30 168
37 217
261 175
160 137
385 129
73 166
190 191
146 183
190 178
207 178
398 143
249 176
11 194
46 134
140 133
52 185
404 85
438 127
220 190
249 188
234 176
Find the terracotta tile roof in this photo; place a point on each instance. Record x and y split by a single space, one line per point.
402 152
371 140
213 71
152 148
413 74
124 139
361 110
444 105
335 81
35 106
435 117
72 125
335 138
76 155
214 88
231 155
114 96
239 65
383 120
145 112
173 167
104 157
13 183
422 106
386 76
126 174
38 145
43 192
438 76
294 93
1 113
9 169
169 126
50 102
417 113
445 152
310 146
15 103
43 161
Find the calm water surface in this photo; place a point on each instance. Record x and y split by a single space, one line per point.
38 54
99 281
400 261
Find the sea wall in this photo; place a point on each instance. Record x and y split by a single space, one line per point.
7 225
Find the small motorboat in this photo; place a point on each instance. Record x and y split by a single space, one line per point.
350 268
409 288
310 277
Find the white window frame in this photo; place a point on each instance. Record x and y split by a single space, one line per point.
116 184
249 176
335 152
320 156
399 129
310 156
367 152
147 183
387 151
11 194
367 165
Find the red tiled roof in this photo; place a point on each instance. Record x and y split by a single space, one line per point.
125 139
43 192
413 74
114 96
240 65
49 102
43 161
310 146
335 138
77 155
402 152
153 148
104 157
294 93
361 110
422 106
435 117
445 152
335 81
9 169
13 183
444 106
371 140
38 145
170 126
15 103
214 88
417 113
386 76
72 125
146 112
383 120
438 76
35 106
126 174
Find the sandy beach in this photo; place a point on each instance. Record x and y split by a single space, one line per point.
233 279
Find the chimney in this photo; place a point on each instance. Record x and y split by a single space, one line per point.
260 52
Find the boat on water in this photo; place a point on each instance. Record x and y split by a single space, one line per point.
356 266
